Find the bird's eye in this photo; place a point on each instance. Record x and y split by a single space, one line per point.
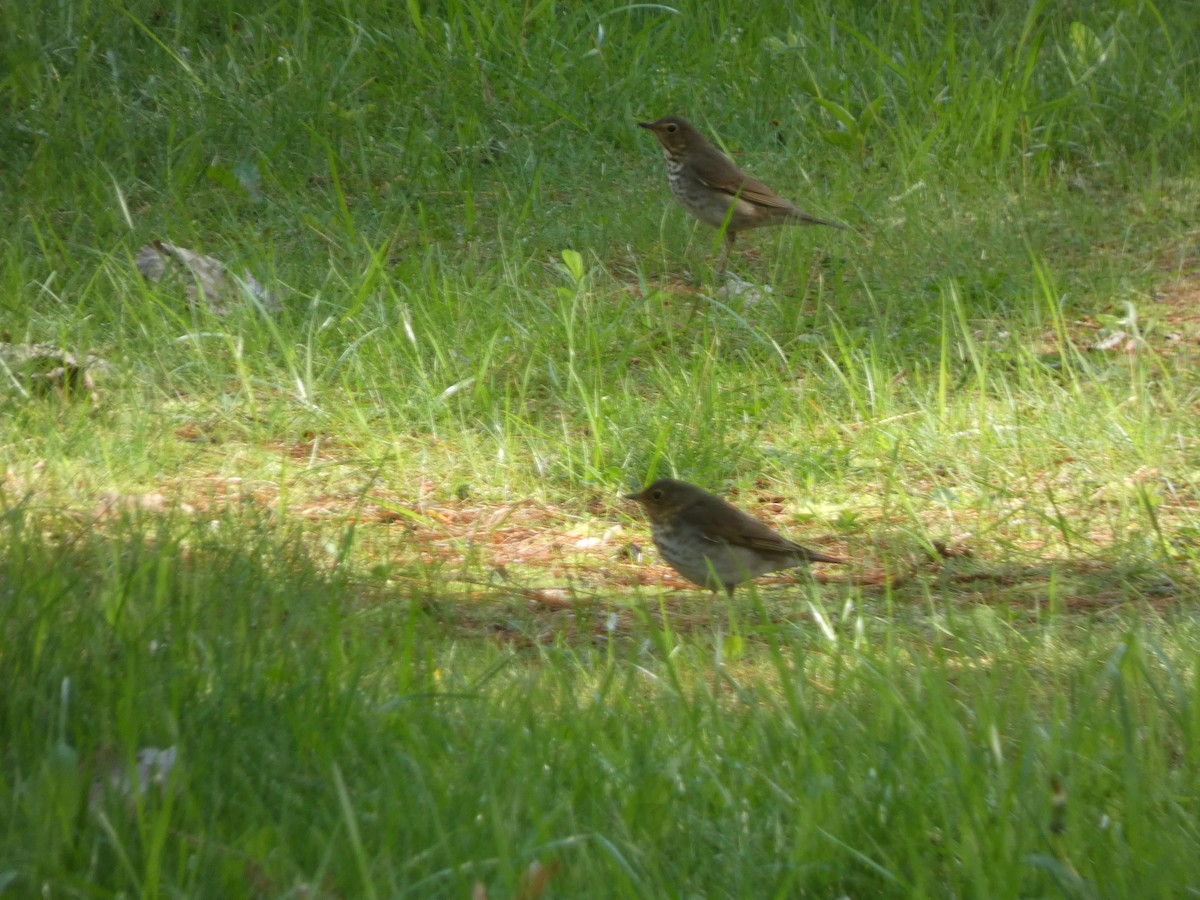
672 128
657 496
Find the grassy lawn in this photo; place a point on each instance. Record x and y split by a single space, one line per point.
342 598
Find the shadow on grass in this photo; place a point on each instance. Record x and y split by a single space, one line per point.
136 576
340 734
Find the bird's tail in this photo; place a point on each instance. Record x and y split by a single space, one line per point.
803 218
814 556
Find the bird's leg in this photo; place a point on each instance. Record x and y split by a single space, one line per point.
730 237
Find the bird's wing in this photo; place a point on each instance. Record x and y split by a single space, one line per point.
740 529
722 175
782 545
759 194
729 179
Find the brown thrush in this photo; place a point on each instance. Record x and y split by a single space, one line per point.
710 187
713 543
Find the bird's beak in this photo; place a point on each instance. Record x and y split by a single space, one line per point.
645 124
637 496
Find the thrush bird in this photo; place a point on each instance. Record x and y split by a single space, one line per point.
713 543
710 187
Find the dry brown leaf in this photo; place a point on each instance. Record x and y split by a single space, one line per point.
206 279
534 881
953 550
44 368
115 503
1058 805
152 769
554 598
